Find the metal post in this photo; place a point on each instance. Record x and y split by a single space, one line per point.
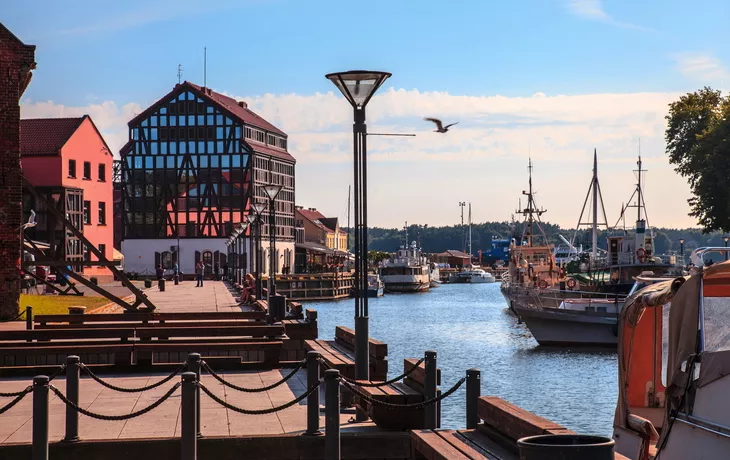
40 417
430 390
259 261
189 438
473 391
29 318
72 394
194 367
313 399
271 291
332 414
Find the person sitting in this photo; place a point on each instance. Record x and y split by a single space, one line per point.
249 286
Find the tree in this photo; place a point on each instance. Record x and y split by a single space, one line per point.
375 257
698 143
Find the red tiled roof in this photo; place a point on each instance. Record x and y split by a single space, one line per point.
244 113
266 150
314 217
46 136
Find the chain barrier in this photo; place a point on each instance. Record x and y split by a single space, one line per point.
252 390
131 390
259 411
18 396
17 393
115 417
13 319
61 370
412 406
360 383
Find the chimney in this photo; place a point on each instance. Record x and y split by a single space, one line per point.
312 209
243 104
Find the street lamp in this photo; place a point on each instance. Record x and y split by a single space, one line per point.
255 220
725 239
272 191
681 249
358 87
239 267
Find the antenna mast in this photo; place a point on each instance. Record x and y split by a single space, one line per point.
179 73
595 190
205 67
470 233
530 212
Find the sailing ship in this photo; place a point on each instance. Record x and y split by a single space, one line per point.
408 271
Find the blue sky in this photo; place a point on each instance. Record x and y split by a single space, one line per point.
499 67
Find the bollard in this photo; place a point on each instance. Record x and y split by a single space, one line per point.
473 391
161 285
29 318
177 280
188 429
313 399
332 414
194 366
73 374
40 417
431 412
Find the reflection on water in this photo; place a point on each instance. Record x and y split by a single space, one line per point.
470 326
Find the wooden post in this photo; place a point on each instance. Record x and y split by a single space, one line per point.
72 394
473 391
29 318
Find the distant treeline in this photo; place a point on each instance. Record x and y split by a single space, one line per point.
439 239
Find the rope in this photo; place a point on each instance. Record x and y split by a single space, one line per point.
387 382
412 406
13 319
252 390
115 417
17 393
131 390
18 396
60 371
259 411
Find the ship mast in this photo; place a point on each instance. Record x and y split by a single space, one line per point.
470 233
531 213
594 190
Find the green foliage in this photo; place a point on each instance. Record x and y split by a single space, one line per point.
698 143
375 257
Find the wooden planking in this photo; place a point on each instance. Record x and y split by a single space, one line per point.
243 331
451 444
376 348
513 421
202 345
481 442
433 447
61 348
140 316
419 375
235 323
48 334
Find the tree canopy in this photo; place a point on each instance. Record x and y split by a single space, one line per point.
698 144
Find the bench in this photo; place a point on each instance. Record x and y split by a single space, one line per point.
43 321
340 354
494 439
410 391
265 352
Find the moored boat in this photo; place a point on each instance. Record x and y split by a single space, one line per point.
375 285
473 276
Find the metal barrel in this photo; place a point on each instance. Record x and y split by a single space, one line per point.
566 447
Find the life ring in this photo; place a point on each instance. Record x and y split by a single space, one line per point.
641 254
542 284
572 283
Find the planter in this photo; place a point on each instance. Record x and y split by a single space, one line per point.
148 283
76 310
566 447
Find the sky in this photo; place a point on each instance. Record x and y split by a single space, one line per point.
547 79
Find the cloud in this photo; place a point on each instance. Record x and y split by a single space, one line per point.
703 67
593 11
482 159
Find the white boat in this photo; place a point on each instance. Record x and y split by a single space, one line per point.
472 276
408 271
375 285
435 276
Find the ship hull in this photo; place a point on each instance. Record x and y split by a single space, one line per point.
375 292
567 328
407 286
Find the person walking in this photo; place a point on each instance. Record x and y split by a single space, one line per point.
217 272
199 270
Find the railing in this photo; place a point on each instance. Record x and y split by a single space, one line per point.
191 387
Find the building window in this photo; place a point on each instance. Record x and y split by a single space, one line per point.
102 213
102 250
167 260
102 172
271 140
87 170
72 168
87 255
87 212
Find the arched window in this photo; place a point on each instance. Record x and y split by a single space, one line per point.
167 260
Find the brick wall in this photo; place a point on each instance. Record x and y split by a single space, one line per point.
16 63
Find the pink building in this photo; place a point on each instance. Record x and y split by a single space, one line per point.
68 161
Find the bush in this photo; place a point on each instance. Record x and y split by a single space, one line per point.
94 281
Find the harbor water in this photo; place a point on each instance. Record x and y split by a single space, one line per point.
470 327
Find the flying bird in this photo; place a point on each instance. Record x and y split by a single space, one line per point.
440 126
31 221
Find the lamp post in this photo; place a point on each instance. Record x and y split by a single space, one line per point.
681 249
725 239
358 88
256 261
242 227
272 191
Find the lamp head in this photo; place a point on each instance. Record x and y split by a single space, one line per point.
358 86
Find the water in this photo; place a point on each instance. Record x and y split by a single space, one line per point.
469 326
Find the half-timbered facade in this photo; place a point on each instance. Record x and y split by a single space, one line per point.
187 175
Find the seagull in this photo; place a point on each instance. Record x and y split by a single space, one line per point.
440 126
31 221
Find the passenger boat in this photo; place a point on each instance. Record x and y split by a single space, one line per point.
375 285
473 276
674 368
408 271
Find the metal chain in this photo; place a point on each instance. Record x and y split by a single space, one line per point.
115 417
131 390
413 406
259 411
13 319
387 382
252 390
18 396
